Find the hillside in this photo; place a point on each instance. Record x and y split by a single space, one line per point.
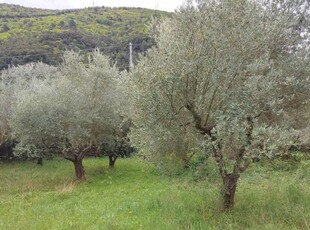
28 35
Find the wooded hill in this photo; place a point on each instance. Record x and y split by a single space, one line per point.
30 35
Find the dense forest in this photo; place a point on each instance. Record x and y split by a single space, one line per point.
31 35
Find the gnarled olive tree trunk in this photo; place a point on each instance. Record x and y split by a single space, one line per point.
79 169
112 159
229 187
76 157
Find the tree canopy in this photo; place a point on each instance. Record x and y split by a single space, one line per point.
226 77
11 82
77 111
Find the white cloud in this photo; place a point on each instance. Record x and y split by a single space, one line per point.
73 4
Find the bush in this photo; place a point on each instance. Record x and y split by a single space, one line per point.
203 167
287 162
171 165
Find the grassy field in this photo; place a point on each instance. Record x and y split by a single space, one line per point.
135 196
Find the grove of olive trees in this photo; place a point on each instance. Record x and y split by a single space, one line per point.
229 79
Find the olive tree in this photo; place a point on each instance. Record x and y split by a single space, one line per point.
12 81
75 112
6 96
223 78
118 144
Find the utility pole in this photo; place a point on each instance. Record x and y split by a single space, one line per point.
156 5
130 55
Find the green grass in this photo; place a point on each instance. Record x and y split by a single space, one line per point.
135 196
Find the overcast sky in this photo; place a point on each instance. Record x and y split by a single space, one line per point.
167 5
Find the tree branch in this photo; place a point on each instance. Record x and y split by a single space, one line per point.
84 151
241 164
70 158
218 156
204 129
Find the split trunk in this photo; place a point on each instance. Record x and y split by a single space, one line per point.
112 159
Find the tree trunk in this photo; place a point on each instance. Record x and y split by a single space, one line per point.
40 161
228 191
79 169
186 162
112 160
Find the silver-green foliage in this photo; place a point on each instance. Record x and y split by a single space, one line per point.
73 111
230 70
12 81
